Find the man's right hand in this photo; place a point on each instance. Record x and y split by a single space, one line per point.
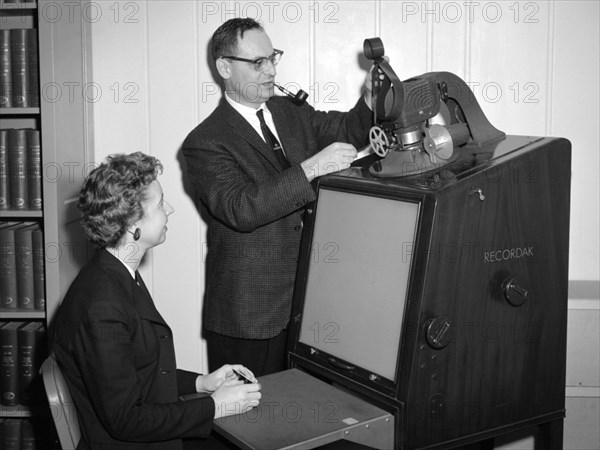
235 397
333 158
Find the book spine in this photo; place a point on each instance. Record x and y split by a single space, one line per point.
8 273
26 349
39 276
27 435
17 168
19 63
9 377
5 70
34 169
3 169
33 84
24 258
30 355
11 434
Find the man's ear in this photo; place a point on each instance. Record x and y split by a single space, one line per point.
223 68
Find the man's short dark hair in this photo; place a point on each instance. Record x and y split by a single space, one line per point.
225 38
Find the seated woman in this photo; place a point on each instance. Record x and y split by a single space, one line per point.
113 346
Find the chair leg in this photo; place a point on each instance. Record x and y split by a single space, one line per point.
550 435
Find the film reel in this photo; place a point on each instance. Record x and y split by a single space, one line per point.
379 141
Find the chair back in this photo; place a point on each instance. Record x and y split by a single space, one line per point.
62 407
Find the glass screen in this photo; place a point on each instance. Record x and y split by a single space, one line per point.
358 278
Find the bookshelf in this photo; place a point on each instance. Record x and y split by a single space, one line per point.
19 111
64 126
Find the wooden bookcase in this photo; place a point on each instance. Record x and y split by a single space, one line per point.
64 121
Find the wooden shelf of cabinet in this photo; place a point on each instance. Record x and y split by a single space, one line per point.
19 313
20 411
18 6
19 111
11 214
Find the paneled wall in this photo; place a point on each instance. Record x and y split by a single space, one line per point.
533 65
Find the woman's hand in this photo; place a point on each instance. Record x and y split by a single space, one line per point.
235 397
212 381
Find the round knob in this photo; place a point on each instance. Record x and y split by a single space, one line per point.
373 48
437 332
516 290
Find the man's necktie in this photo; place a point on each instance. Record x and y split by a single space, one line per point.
272 141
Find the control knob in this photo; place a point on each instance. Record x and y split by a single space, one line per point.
516 290
438 332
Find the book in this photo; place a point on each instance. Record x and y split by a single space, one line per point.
33 92
39 274
3 169
30 356
5 70
34 168
27 435
17 168
11 434
8 266
9 375
22 179
19 67
24 265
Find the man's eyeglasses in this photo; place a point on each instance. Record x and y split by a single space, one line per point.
260 63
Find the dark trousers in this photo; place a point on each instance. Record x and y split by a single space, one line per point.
261 356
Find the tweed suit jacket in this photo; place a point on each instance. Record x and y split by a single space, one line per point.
117 355
255 208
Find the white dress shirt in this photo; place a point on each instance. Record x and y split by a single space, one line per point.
249 114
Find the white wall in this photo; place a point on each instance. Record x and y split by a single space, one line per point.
533 65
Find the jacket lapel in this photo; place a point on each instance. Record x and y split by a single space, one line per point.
139 295
244 130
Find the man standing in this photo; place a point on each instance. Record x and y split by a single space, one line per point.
251 162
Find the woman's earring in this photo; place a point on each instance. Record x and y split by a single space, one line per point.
136 234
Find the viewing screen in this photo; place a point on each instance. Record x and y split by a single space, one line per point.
358 278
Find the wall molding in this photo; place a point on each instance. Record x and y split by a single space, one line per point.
586 290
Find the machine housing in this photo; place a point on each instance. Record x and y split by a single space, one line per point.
442 296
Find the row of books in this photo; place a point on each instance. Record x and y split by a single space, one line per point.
20 169
23 346
17 434
27 434
22 266
19 72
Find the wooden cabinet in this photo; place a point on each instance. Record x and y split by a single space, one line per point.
61 114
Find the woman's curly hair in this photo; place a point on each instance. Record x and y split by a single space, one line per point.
112 194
